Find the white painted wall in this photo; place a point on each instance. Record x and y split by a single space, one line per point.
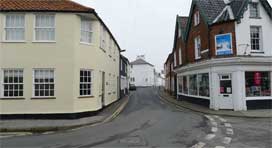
67 56
243 32
237 70
141 73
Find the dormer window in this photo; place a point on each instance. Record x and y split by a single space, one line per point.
254 10
196 18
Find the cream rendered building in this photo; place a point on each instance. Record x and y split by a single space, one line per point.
56 58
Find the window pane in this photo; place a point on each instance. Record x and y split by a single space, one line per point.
203 83
185 85
15 27
180 84
193 85
258 84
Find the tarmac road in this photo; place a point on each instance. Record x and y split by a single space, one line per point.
148 121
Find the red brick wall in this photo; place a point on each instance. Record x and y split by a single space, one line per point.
180 44
223 28
200 30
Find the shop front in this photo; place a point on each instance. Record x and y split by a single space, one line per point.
230 84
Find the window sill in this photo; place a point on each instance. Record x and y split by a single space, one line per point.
85 43
257 52
13 98
197 58
255 17
43 41
6 41
42 98
82 97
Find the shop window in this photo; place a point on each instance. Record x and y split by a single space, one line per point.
203 85
185 85
180 84
193 85
258 84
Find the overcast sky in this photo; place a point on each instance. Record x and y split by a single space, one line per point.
142 26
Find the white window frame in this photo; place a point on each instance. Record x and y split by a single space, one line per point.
175 59
2 83
260 39
250 10
196 18
90 32
34 28
103 35
91 83
197 41
5 28
50 83
180 56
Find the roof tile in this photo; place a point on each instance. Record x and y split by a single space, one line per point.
43 5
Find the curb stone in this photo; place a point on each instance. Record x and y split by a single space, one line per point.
68 127
170 100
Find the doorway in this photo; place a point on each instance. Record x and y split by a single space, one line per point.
225 91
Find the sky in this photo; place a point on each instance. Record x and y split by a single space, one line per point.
142 27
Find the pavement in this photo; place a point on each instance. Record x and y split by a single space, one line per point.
148 121
261 113
26 127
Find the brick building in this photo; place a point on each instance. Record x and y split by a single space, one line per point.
223 56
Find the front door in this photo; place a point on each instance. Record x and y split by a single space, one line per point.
225 91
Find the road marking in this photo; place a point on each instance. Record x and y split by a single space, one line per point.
216 116
199 145
210 136
227 140
229 131
162 102
209 117
214 123
13 134
228 125
214 129
219 147
222 119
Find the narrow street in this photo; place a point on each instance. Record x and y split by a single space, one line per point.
147 121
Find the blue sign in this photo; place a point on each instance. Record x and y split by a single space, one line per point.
223 44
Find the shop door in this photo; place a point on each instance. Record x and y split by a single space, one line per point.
225 91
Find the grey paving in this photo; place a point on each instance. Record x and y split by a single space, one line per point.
147 121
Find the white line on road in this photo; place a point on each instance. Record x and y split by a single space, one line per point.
222 119
219 147
214 129
210 136
226 140
229 131
214 123
227 125
199 145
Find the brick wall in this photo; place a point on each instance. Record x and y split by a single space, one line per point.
200 30
222 28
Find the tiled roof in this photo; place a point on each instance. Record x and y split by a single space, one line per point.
182 21
43 5
140 62
211 8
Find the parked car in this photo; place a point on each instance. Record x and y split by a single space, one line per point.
132 87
